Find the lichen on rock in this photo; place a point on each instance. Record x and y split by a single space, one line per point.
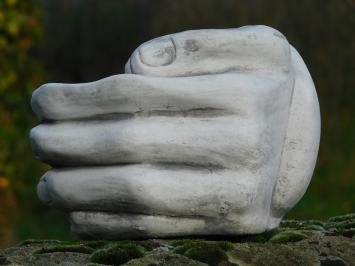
293 243
117 254
211 253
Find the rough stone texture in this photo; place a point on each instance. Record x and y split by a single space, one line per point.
209 132
321 243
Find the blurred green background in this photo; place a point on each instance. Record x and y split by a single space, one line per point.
84 40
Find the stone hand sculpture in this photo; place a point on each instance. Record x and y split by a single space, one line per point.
209 132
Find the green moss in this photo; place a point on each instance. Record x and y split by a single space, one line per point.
209 255
183 242
210 252
287 236
94 244
310 225
37 241
341 225
224 245
269 254
164 259
97 244
117 254
313 227
148 245
189 243
259 238
181 249
78 248
343 232
350 216
349 232
301 224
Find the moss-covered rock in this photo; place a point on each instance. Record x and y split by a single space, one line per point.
38 241
300 224
341 225
259 238
3 258
316 250
164 259
210 255
117 254
310 242
346 217
78 248
185 244
209 252
287 236
271 254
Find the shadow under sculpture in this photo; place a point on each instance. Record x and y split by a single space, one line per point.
208 132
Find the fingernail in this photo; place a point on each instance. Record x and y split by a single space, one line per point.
159 52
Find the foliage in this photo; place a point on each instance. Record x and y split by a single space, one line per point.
20 73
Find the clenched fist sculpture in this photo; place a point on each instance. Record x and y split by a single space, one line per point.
209 132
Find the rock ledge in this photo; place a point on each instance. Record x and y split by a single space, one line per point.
310 242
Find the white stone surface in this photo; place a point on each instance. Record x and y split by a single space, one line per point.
209 132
